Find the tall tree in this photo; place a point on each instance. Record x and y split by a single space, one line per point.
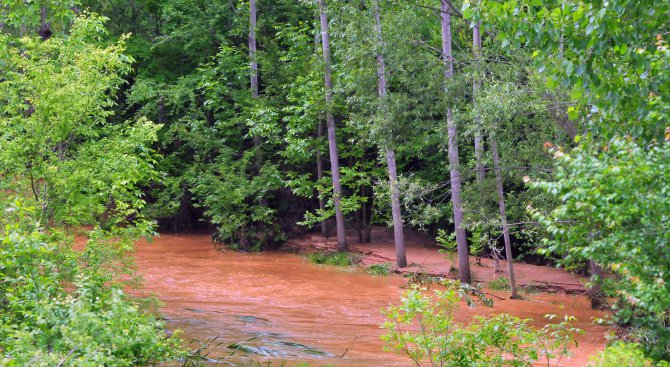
476 84
332 137
452 143
253 65
398 234
503 216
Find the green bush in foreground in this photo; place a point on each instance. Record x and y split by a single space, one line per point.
44 324
424 329
623 354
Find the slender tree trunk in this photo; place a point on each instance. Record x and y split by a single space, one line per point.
596 292
368 229
253 66
398 233
476 84
461 240
503 218
319 176
332 138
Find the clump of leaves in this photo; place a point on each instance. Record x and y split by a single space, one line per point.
500 284
379 269
331 258
43 324
447 242
614 210
424 329
623 354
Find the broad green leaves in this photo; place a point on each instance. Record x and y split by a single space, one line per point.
423 327
608 51
614 208
56 146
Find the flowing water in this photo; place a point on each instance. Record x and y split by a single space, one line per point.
291 310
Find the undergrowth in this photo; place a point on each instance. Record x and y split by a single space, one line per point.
331 258
379 269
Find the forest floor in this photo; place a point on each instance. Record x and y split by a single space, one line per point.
423 257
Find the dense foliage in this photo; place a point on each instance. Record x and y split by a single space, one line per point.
424 329
203 117
67 170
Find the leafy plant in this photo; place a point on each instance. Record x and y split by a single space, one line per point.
500 284
424 329
614 210
448 243
379 269
42 323
622 354
331 258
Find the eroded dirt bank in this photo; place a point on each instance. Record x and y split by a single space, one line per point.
298 309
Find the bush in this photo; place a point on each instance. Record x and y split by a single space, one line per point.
614 209
379 269
500 284
333 258
42 324
623 354
423 328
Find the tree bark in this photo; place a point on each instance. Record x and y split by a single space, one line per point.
456 201
253 66
503 218
398 232
476 84
319 176
332 138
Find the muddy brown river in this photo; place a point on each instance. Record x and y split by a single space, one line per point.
290 310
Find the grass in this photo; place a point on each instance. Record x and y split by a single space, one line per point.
500 284
532 288
331 258
379 269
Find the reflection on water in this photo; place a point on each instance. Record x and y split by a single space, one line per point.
277 305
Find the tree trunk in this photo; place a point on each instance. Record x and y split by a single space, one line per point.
319 176
360 216
253 66
45 26
596 292
476 84
503 218
398 233
332 138
461 240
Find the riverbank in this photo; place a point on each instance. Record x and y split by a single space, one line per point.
423 257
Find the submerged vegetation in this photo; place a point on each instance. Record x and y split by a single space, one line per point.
332 258
509 129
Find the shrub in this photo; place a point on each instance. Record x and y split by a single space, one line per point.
379 269
43 324
423 328
332 258
500 284
621 354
